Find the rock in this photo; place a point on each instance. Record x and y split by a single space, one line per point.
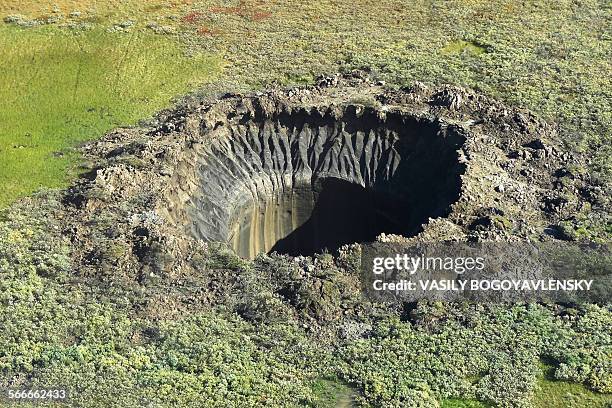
13 19
536 144
448 98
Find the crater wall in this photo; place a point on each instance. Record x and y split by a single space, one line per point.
307 180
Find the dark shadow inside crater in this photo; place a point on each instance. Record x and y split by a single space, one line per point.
343 213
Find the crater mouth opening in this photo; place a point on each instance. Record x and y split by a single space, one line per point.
304 181
313 218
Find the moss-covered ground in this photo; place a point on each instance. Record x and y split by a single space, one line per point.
554 393
61 87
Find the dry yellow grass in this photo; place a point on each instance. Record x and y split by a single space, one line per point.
35 9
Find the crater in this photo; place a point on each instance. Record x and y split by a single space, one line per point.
304 180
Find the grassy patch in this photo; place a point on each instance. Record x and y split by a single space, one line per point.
125 8
61 87
462 403
461 46
331 392
61 332
553 393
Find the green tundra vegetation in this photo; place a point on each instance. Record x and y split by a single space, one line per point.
256 347
556 393
60 87
70 79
